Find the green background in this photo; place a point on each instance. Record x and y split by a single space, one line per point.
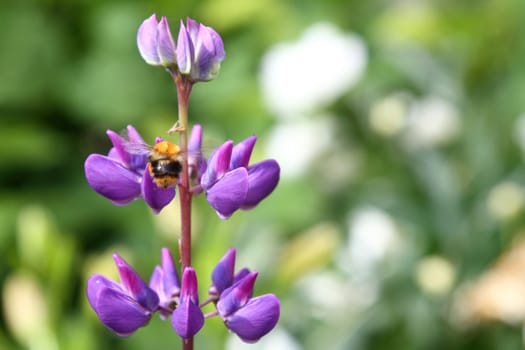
70 69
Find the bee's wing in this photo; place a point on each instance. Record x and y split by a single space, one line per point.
137 148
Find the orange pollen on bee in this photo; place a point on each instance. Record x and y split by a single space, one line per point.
165 181
167 148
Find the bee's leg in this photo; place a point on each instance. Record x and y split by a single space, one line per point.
177 127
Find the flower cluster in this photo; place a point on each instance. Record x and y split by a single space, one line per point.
132 169
126 306
227 180
198 53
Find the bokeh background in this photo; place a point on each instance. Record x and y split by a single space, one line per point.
399 220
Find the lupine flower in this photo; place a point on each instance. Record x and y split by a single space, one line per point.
165 281
121 176
223 275
249 318
124 307
187 319
198 53
230 184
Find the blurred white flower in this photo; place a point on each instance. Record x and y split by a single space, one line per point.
435 275
297 144
505 200
313 71
278 339
373 235
333 296
388 115
432 121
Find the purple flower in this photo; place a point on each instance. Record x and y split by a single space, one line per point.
155 43
124 307
230 184
198 53
249 318
187 319
121 176
165 281
223 275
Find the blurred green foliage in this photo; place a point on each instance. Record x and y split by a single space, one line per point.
69 70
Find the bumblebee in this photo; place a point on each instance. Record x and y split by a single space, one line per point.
165 164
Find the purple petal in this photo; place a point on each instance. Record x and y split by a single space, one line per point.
147 40
135 161
111 179
263 177
135 286
241 153
156 197
134 136
193 29
156 283
95 284
241 274
171 278
195 143
236 296
229 193
209 52
218 164
189 289
187 319
222 275
196 161
166 45
185 50
258 317
119 312
118 146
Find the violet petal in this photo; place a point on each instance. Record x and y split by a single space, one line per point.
241 153
156 197
135 286
185 50
209 52
236 296
95 284
111 179
171 278
166 45
223 273
258 317
119 312
187 319
229 193
263 177
218 164
147 40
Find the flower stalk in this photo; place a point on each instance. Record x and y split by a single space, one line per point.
183 94
185 196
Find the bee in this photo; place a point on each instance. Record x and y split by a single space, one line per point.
164 161
165 164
